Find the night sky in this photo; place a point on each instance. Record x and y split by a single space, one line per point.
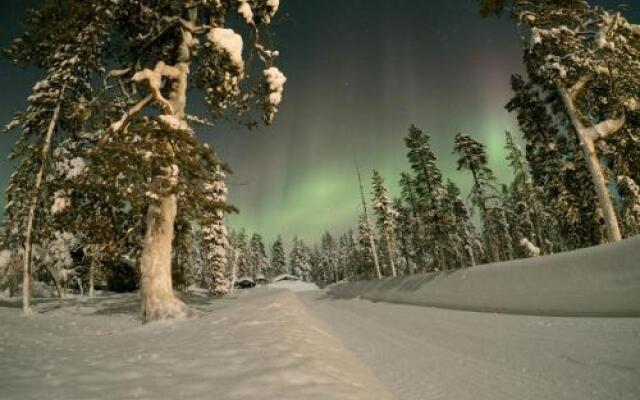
359 73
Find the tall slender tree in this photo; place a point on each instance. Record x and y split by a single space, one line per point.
473 157
365 230
386 216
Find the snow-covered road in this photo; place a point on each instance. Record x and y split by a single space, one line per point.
423 353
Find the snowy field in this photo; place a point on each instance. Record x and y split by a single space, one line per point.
292 341
258 344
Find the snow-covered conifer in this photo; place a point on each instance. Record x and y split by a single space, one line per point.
587 56
215 240
473 157
278 258
386 220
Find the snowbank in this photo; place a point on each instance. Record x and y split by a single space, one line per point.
261 345
599 281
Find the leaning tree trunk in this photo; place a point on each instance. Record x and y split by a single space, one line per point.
33 204
587 144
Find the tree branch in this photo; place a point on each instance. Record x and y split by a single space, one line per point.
606 128
577 87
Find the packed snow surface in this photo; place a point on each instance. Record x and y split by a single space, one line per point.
261 344
294 286
599 281
423 353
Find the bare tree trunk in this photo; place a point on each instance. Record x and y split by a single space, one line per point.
92 271
392 262
158 299
587 143
234 271
33 204
372 242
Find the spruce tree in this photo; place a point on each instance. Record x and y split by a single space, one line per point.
278 258
300 259
215 239
258 259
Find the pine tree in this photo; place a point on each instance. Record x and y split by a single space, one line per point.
367 265
525 198
474 159
67 42
165 49
366 232
278 258
405 234
466 232
588 57
423 161
386 216
415 222
564 186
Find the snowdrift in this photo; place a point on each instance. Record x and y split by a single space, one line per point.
602 281
258 345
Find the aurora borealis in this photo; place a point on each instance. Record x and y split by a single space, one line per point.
359 73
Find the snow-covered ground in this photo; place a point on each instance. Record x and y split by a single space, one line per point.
294 286
598 281
258 344
423 353
302 343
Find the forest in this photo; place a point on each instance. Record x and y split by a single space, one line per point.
114 191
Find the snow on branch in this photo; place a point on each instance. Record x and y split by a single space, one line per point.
118 125
606 128
579 85
154 80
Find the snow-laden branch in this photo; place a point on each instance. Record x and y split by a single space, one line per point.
605 128
118 125
577 87
154 80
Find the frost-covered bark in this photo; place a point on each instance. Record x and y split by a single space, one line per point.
156 291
